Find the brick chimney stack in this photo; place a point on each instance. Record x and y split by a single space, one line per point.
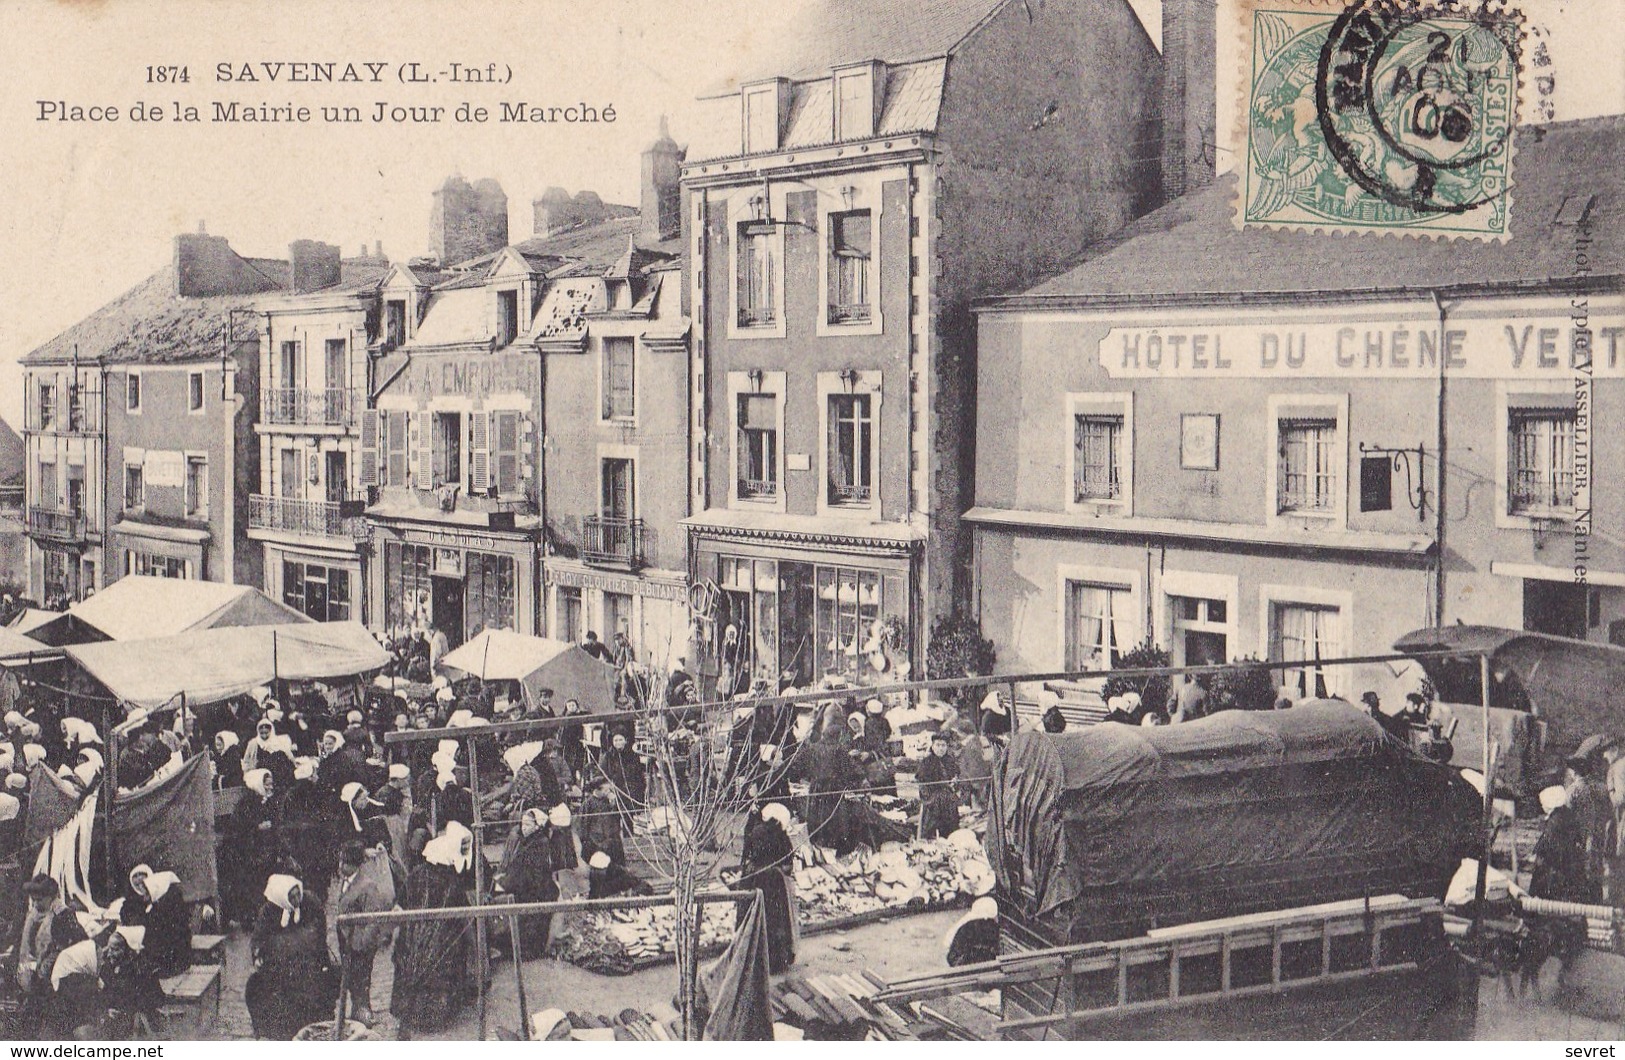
1189 106
661 206
467 221
312 265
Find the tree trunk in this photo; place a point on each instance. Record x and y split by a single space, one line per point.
686 911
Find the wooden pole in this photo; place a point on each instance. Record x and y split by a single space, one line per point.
519 980
344 986
482 951
1489 801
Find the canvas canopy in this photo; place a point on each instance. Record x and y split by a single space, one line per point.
141 608
537 663
1571 685
215 664
16 649
1105 831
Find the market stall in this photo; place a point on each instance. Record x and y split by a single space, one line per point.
535 663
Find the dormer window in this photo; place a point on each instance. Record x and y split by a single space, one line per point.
855 103
507 317
764 108
395 321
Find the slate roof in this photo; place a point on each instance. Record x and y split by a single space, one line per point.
1192 247
12 457
148 324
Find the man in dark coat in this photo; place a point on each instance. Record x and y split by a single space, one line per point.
939 791
361 892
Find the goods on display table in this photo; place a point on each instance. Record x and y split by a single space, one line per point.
917 876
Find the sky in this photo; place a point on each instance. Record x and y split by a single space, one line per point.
91 208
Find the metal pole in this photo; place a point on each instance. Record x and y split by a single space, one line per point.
1489 801
344 985
519 980
482 952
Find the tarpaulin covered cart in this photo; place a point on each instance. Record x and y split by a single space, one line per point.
1112 830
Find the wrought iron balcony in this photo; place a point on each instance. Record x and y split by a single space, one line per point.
56 524
853 313
307 518
850 493
758 488
332 407
610 542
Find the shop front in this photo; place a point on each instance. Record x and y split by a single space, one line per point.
322 584
650 607
798 610
458 582
159 551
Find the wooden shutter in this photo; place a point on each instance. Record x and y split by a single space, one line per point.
506 447
479 451
396 471
371 443
423 422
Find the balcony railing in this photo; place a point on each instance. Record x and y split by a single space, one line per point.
758 488
56 524
610 542
333 407
849 493
852 313
308 518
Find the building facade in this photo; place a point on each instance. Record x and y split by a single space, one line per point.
64 447
843 208
1247 462
316 377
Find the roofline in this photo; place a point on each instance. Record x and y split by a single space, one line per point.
1020 303
739 86
826 158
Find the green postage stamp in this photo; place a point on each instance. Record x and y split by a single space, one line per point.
1378 116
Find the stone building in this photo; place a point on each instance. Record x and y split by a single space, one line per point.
845 204
1231 440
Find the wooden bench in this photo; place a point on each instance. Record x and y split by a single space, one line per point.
195 995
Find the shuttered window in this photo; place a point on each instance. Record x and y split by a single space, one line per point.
397 469
369 447
619 396
758 267
506 442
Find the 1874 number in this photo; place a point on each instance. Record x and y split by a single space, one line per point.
167 75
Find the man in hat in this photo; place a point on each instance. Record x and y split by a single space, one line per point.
359 892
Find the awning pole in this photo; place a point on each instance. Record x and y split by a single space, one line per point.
1489 801
482 951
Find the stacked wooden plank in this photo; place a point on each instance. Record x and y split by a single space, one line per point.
841 1007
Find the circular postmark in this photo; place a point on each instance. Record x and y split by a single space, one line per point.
1416 104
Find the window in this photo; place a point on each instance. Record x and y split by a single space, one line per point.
1306 633
134 493
197 487
288 365
46 406
758 267
316 591
47 485
76 408
394 322
855 106
1306 479
761 121
1097 458
849 267
58 585
619 399
1101 624
151 566
618 501
1201 630
292 488
490 597
617 615
851 441
194 391
1540 448
568 626
76 488
507 317
132 392
758 456
848 608
408 590
335 364
448 448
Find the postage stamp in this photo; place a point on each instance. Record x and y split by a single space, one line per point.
1378 116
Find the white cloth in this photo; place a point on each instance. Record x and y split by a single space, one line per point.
520 755
981 909
254 780
279 892
78 959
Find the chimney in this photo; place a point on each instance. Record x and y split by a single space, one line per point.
1189 117
205 266
467 222
378 249
661 205
551 212
312 265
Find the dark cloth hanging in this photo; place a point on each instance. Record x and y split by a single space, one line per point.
431 957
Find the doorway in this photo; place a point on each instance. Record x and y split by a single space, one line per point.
1557 608
447 606
337 476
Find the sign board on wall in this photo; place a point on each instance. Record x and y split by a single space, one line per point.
163 467
1522 349
471 374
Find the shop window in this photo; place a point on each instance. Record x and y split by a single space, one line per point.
151 566
194 391
489 603
617 615
1540 472
758 455
57 574
1306 633
135 497
851 450
1097 458
1101 625
849 250
197 487
848 608
757 275
1307 466
617 383
408 589
317 591
567 625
